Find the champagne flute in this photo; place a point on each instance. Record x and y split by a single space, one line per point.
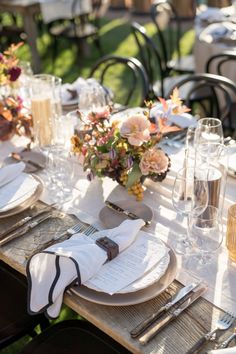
189 196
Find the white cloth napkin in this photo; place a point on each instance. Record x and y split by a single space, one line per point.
216 31
10 172
211 14
50 272
62 9
183 120
231 350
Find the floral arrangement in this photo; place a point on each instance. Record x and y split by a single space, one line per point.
123 149
13 118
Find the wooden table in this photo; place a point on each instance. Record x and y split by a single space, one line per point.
27 9
117 321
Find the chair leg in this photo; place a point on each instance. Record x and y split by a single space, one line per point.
97 43
44 323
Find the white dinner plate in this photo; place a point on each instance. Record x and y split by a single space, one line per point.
132 298
26 203
112 218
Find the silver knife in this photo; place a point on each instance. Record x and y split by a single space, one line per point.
126 212
179 298
24 221
172 315
24 230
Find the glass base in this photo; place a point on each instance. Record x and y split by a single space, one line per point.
180 244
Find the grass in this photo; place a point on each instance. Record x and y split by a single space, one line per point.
116 39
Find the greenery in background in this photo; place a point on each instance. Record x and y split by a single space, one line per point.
115 39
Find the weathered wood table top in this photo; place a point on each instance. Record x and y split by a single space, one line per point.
116 321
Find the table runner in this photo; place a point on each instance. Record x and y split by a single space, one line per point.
89 199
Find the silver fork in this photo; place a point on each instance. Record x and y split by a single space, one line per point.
79 227
222 324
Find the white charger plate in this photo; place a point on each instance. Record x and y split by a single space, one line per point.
135 297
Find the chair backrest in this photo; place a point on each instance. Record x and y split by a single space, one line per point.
218 63
126 73
218 103
150 57
167 23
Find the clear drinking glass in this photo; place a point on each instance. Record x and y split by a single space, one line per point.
205 233
92 96
189 196
209 130
45 107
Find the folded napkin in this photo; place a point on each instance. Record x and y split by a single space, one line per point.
75 260
10 172
183 120
231 350
216 31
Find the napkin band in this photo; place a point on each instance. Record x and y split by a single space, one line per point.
109 246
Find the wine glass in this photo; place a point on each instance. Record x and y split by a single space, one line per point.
205 233
209 130
189 196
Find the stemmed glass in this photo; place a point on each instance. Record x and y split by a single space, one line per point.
189 196
205 233
209 130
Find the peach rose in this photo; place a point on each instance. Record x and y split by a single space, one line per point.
136 129
154 161
98 114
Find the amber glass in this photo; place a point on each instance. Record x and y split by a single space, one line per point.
231 233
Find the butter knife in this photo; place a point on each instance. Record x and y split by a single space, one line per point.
126 212
24 221
24 230
179 298
18 157
172 315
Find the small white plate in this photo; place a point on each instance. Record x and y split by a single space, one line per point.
112 218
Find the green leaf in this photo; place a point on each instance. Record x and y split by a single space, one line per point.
134 175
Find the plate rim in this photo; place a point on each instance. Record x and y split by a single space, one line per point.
116 299
28 202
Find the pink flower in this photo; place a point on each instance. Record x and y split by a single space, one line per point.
99 114
154 161
136 129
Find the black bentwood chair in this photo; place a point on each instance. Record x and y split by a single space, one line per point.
78 29
73 337
219 104
158 74
130 79
15 322
169 26
218 63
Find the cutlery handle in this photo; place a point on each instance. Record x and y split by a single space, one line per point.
14 235
226 342
156 329
197 346
141 327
